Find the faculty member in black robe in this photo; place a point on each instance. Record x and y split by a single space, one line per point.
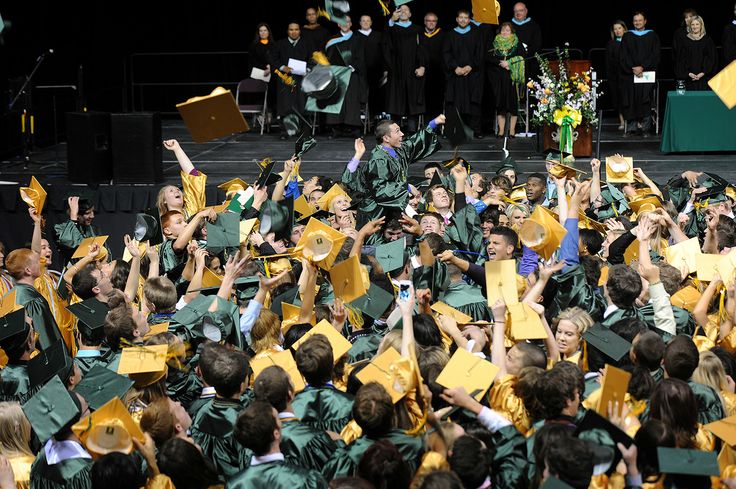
346 49
316 33
613 72
259 56
639 53
463 57
696 60
729 41
530 35
293 47
432 40
374 64
406 61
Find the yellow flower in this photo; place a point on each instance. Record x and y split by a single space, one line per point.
547 91
530 84
567 111
583 87
544 101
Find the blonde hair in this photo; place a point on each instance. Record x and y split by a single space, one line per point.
161 200
511 207
702 25
576 316
392 339
15 430
710 372
266 331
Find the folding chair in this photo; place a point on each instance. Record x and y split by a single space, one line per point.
253 87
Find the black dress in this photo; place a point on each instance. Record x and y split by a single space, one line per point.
613 73
636 50
696 57
403 55
259 55
729 43
505 98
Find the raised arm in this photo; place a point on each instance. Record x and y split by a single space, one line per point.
91 256
196 280
183 239
233 268
36 239
185 163
307 283
131 285
595 184
498 350
638 172
664 318
700 311
549 341
562 207
407 329
370 228
278 191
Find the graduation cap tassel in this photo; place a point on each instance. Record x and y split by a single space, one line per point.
384 7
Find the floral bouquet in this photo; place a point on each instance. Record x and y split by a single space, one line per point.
564 100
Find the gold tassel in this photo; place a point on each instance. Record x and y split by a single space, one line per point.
384 7
323 13
320 58
288 80
354 316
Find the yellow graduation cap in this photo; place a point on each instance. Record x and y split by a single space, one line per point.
156 329
486 11
34 195
379 370
291 316
613 389
143 360
303 207
518 193
686 298
232 186
632 252
426 256
340 345
604 276
8 304
246 227
542 233
725 429
727 267
647 204
584 222
558 170
707 264
320 244
283 359
85 245
210 279
349 279
469 371
724 85
142 248
684 254
501 282
525 323
619 169
109 429
446 310
325 201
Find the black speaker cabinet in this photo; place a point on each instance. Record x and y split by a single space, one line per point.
136 148
89 159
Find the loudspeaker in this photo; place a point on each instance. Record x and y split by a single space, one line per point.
136 148
89 159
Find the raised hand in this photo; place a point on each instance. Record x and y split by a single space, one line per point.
132 247
171 144
359 148
372 227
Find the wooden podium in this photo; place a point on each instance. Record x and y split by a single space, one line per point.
583 145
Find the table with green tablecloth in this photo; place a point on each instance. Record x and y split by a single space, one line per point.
698 121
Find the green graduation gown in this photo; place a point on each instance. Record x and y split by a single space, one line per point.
69 235
183 386
168 257
573 290
276 475
212 429
434 278
85 363
710 407
465 233
684 322
305 446
345 460
73 473
324 408
14 384
468 300
509 462
366 342
620 314
40 313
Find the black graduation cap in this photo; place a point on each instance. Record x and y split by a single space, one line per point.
507 163
320 215
101 384
713 195
456 130
355 205
148 227
419 182
277 217
338 11
247 287
91 314
607 342
304 143
436 180
52 361
14 324
266 177
289 296
594 429
458 160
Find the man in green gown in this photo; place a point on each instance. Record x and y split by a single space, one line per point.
258 428
301 444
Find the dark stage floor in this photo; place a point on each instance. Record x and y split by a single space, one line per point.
236 156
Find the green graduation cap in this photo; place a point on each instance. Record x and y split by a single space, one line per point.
304 144
592 421
51 409
290 296
325 87
607 342
148 227
191 313
456 130
338 10
507 163
277 217
91 314
223 233
687 462
267 177
552 482
399 3
375 302
13 327
241 201
54 361
713 195
247 287
101 384
196 317
391 255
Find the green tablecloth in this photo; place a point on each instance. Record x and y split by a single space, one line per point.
698 121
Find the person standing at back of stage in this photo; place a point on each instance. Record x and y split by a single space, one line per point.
375 69
613 60
506 72
696 60
406 61
530 36
259 56
432 39
729 41
314 32
639 53
681 33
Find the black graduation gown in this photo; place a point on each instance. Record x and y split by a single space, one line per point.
530 34
677 38
636 98
317 37
259 55
464 92
613 73
504 91
696 57
349 52
435 70
403 55
287 97
374 64
729 43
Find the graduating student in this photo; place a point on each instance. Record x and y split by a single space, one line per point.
432 39
696 60
296 47
346 49
729 41
530 36
463 57
374 63
406 61
639 53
